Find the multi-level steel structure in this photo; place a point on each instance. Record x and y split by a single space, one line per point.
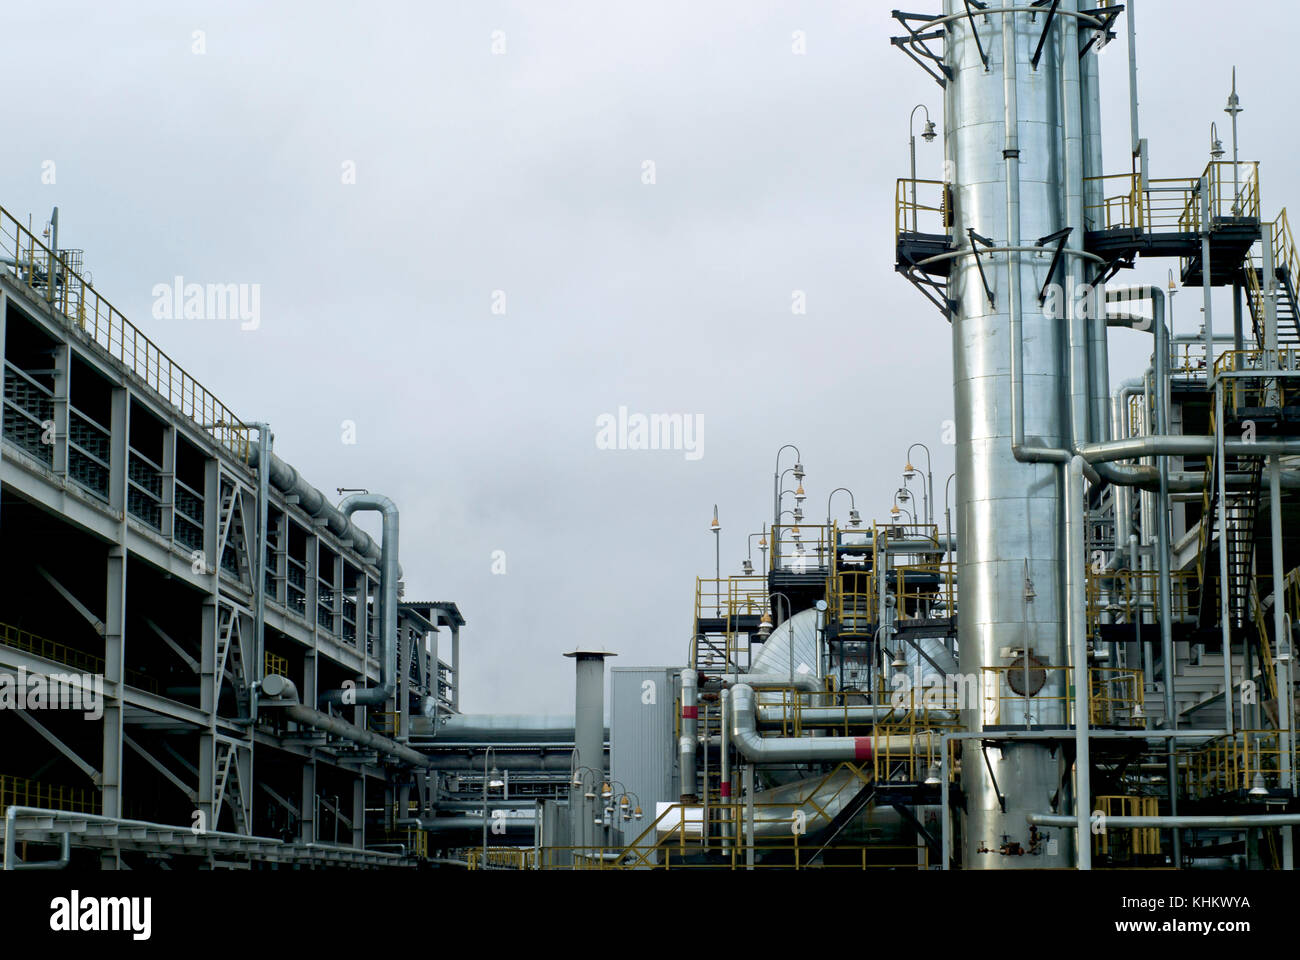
1084 662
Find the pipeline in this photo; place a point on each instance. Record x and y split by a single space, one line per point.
1226 822
496 728
278 691
686 744
289 482
773 750
388 577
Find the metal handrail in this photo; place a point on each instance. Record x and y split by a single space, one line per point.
36 266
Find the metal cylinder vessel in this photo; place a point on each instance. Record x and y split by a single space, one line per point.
1009 512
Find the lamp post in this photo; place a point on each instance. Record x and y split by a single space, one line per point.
929 478
854 519
776 478
895 510
717 560
1233 108
762 545
582 801
929 136
766 624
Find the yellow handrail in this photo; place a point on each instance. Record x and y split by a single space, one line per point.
21 792
104 324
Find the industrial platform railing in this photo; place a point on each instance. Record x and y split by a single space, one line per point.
11 636
1230 764
1173 204
51 279
21 792
1115 694
1134 841
921 206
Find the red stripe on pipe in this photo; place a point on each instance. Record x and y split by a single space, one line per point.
726 790
862 748
690 713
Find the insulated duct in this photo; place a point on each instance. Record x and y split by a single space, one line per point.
786 750
280 692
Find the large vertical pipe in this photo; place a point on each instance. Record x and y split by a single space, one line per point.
1008 511
264 442
588 735
388 576
724 788
688 742
1077 629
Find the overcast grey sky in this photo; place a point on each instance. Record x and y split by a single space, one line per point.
522 171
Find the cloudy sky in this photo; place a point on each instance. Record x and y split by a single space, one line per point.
499 153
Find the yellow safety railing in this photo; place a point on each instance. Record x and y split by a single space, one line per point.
929 708
12 636
36 267
729 600
509 858
1230 764
910 752
1173 204
1259 388
278 666
1261 628
1126 594
921 206
384 722
1187 359
417 843
1115 697
1121 205
800 547
799 854
1135 841
21 792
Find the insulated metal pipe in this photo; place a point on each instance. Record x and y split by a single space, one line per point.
777 750
687 743
314 503
11 861
388 577
1210 822
724 785
1076 625
278 691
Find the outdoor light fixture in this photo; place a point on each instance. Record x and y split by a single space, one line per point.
1257 788
854 518
930 133
933 779
1216 145
799 495
747 567
798 471
765 626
